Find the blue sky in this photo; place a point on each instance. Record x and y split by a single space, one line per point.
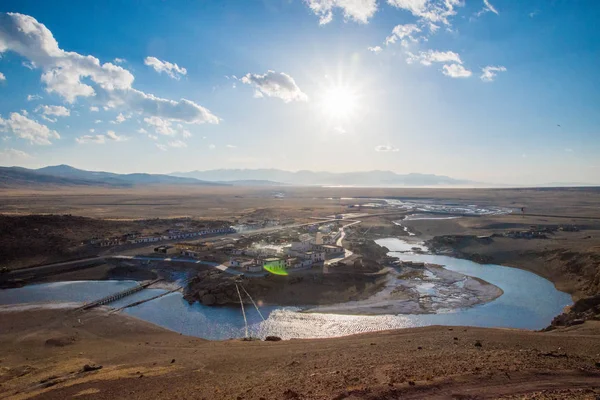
185 85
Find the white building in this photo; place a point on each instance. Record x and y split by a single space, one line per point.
189 253
239 262
330 249
314 256
253 267
273 262
291 262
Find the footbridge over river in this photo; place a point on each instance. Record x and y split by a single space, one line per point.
117 296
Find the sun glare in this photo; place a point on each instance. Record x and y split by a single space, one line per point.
339 102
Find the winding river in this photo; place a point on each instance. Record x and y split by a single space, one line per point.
528 302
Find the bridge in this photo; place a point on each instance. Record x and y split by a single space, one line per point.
117 296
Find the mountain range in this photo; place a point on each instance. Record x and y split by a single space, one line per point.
302 178
65 175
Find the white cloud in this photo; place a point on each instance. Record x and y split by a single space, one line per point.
414 6
92 130
161 146
119 60
177 144
173 70
429 12
183 110
488 74
28 129
94 109
98 121
401 32
386 148
212 146
31 97
275 84
161 126
53 120
230 146
28 65
487 7
57 111
186 134
120 118
533 13
72 75
431 56
339 129
456 71
376 49
2 77
63 70
357 10
111 135
142 130
96 139
14 154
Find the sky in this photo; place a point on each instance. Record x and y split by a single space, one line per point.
495 91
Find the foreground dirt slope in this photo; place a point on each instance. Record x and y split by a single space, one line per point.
43 353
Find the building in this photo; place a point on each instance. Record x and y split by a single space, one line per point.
331 249
314 256
273 262
301 246
291 262
328 239
165 249
189 253
239 262
253 267
319 238
302 263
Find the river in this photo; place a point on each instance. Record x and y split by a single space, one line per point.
528 302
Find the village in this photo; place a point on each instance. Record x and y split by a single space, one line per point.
280 251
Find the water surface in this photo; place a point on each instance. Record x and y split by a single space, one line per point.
529 301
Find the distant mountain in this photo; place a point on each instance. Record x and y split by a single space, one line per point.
367 178
252 182
69 176
11 177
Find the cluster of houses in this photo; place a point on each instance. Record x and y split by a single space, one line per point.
526 234
134 238
304 253
252 225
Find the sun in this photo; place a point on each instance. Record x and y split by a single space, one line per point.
339 102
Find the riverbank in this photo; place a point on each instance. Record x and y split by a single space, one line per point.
307 287
422 289
566 251
44 354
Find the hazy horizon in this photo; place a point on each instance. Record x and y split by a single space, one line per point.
487 91
461 185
